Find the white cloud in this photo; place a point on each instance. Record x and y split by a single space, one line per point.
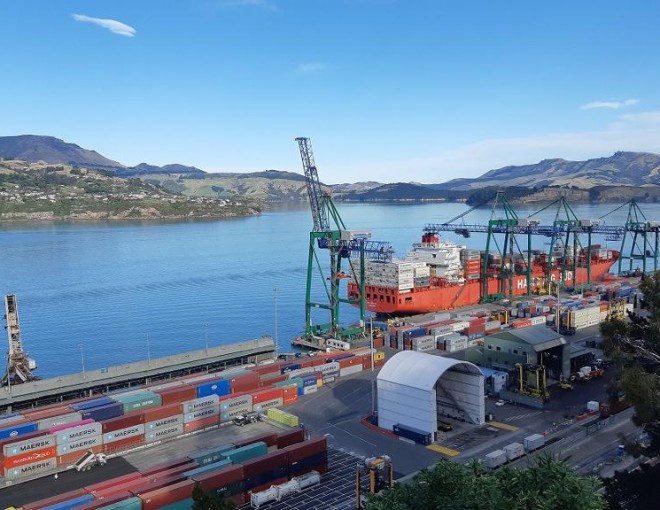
116 27
612 105
311 68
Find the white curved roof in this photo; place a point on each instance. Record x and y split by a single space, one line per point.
421 370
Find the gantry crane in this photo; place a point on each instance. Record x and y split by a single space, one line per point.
19 365
341 244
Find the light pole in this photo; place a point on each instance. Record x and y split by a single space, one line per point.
277 342
148 352
206 337
82 360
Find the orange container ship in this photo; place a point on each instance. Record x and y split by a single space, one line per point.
440 275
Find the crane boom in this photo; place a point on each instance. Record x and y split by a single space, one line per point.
314 191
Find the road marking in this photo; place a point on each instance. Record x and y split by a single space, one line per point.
443 450
521 416
503 426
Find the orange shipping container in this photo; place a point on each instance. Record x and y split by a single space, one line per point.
158 413
29 458
200 424
70 458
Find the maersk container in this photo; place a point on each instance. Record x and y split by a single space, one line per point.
241 402
103 413
117 435
29 470
217 387
89 404
71 503
534 442
55 421
211 456
163 423
17 430
274 402
198 404
416 435
207 412
79 432
133 503
247 452
207 468
514 450
495 458
77 445
29 445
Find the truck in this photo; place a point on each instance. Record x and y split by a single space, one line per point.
514 450
246 418
89 460
495 459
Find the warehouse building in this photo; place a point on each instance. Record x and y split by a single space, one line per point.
415 389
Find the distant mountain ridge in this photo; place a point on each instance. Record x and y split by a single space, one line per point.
635 174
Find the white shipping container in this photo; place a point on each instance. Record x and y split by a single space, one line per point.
593 405
459 325
241 402
29 470
79 432
533 442
287 488
80 444
202 413
190 406
300 371
327 368
164 433
267 404
537 320
229 415
28 445
495 458
308 479
262 497
6 420
117 435
514 450
310 389
353 369
56 421
163 423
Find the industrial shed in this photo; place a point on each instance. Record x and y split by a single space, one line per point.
416 388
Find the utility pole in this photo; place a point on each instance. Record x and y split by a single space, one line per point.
148 352
82 360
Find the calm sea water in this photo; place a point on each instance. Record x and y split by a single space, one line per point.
101 294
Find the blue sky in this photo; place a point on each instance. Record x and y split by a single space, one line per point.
388 90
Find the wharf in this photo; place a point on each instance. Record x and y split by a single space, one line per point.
59 389
301 342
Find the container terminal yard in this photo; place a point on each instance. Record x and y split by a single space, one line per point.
518 372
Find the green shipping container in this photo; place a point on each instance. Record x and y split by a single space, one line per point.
140 401
185 504
212 455
247 452
128 504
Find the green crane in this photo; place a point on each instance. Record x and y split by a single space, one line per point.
329 233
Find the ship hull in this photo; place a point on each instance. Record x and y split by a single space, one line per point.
391 301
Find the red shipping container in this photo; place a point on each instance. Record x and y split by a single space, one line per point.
290 394
379 343
269 438
123 444
152 486
270 368
290 437
30 457
177 394
46 412
122 422
306 449
164 467
70 458
109 492
271 460
36 505
210 481
176 470
312 361
265 383
167 495
201 424
113 481
158 413
244 382
266 394
98 503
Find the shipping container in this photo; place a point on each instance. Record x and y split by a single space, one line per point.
165 466
317 462
306 449
69 459
59 420
495 458
534 442
90 404
269 438
207 468
215 387
142 400
122 422
266 395
113 481
127 504
41 413
198 404
244 453
18 447
76 445
169 421
31 470
201 424
266 469
31 457
514 450
79 432
105 502
158 413
226 482
70 503
244 382
164 433
416 435
207 412
11 431
290 437
53 500
102 413
212 455
150 486
118 435
161 498
177 394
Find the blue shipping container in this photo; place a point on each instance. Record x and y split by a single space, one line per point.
89 404
133 503
300 390
419 436
218 387
18 430
72 503
104 412
185 504
339 357
289 368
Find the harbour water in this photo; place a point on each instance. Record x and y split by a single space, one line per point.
92 295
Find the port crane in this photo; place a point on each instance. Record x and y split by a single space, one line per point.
19 365
505 228
330 233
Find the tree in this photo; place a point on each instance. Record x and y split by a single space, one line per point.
202 500
637 490
634 345
549 484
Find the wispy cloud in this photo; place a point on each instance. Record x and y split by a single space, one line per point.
612 105
311 68
116 27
